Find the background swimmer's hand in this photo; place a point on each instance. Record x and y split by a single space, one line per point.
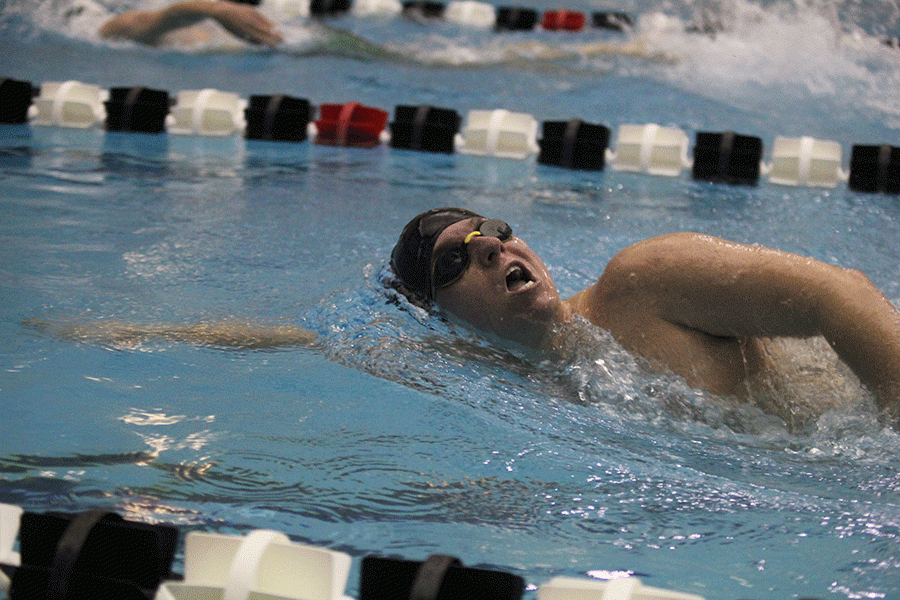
245 22
225 334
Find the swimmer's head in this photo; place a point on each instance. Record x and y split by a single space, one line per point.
412 256
479 273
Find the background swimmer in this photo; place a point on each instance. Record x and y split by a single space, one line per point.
185 24
154 27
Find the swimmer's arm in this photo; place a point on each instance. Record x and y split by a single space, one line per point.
731 290
225 334
148 27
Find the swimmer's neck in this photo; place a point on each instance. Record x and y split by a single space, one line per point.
547 339
544 336
538 333
583 303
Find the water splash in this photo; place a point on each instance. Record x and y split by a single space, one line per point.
772 57
377 331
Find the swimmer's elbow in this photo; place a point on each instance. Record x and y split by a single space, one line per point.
112 29
859 280
845 288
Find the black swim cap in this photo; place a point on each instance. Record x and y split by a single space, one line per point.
411 258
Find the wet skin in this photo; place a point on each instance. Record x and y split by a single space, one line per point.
508 291
686 303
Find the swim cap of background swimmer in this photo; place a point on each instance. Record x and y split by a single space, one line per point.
411 258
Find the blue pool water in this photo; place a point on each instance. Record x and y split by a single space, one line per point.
396 433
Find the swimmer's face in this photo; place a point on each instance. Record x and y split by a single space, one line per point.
505 289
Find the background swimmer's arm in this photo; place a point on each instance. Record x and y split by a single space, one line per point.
731 290
225 334
148 27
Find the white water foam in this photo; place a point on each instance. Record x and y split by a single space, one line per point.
777 55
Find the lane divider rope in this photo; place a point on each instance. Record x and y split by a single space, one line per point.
722 157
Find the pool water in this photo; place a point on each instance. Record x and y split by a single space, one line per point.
397 433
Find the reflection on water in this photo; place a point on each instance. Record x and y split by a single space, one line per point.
161 442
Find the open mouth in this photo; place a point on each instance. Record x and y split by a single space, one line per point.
518 279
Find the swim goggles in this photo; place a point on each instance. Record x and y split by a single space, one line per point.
450 264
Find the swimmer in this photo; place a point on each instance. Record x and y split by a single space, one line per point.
723 316
685 303
154 27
